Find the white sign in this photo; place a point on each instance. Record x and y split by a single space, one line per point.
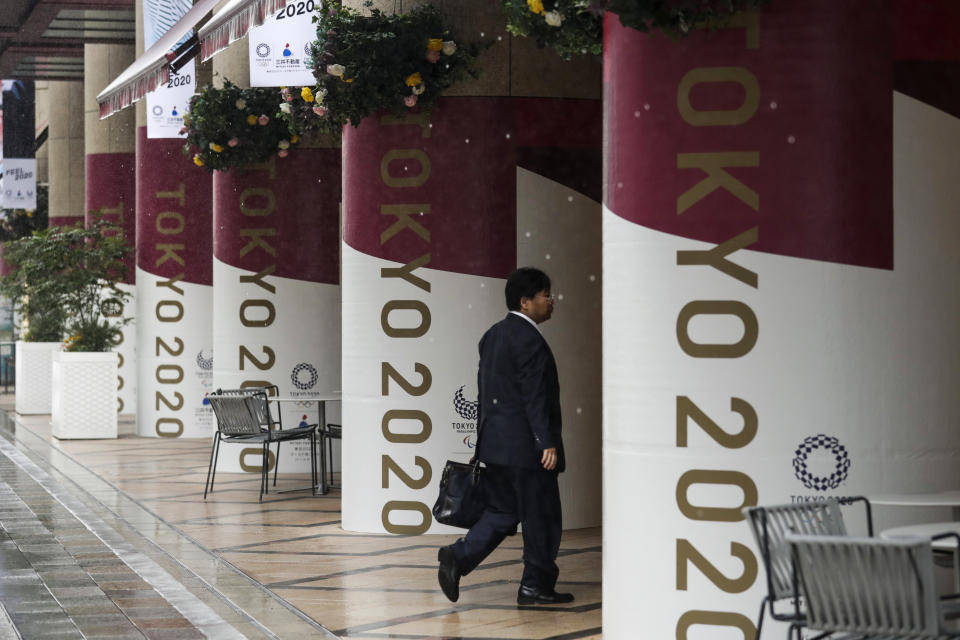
18 188
280 48
167 104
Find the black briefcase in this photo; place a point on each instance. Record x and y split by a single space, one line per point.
461 501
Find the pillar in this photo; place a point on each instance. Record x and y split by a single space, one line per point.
111 188
780 307
437 213
174 279
277 281
66 153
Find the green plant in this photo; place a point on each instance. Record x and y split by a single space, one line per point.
569 27
234 127
305 114
366 63
572 27
64 280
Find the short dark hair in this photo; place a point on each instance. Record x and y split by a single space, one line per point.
525 282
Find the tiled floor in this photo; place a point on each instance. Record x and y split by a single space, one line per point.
283 568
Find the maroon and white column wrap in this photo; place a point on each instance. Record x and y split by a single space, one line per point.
174 300
277 290
780 302
436 214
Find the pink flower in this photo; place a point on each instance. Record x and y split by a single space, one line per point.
319 110
432 56
232 142
283 153
263 120
410 101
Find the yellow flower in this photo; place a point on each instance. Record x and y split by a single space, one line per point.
435 44
414 79
306 94
536 6
197 161
251 119
216 148
294 138
348 80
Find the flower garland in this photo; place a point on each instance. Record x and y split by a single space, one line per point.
305 114
233 127
569 27
572 27
677 18
395 62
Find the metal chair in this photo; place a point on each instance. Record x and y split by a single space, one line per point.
770 526
263 395
870 588
240 418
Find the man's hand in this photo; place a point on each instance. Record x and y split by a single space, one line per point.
549 458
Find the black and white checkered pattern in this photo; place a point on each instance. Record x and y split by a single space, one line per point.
466 409
311 374
841 458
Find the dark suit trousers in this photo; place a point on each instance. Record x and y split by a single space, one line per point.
514 495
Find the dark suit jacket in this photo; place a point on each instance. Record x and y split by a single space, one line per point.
519 396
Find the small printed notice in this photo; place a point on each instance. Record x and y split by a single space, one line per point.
18 187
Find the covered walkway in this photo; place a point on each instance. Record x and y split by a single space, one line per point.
229 567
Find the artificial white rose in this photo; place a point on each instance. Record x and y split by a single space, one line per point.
449 47
241 103
553 18
336 70
285 107
284 144
419 89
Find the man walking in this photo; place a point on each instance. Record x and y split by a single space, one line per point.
520 444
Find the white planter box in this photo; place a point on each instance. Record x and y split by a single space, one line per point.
34 372
84 396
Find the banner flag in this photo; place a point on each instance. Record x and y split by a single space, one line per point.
167 104
18 181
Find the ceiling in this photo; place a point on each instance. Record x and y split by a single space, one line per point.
43 39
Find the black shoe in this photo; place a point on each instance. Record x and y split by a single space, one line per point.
536 595
449 574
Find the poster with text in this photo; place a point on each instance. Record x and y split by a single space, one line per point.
280 48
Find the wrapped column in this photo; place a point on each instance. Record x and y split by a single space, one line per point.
277 282
111 189
437 212
277 291
174 279
174 300
779 321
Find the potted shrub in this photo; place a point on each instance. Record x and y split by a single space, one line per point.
42 317
65 283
